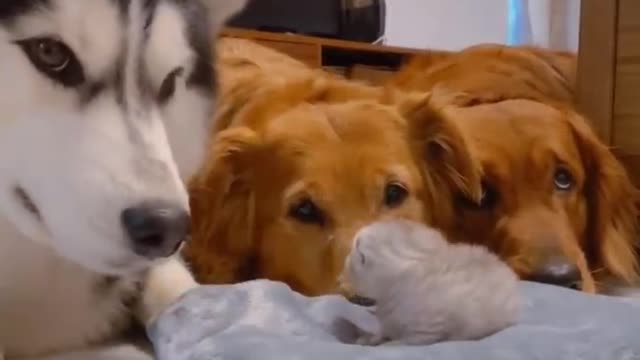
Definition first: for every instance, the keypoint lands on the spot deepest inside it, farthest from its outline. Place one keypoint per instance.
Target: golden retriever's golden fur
(495, 72)
(296, 169)
(302, 159)
(553, 191)
(558, 206)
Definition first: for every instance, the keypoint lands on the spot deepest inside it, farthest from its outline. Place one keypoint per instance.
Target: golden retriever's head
(557, 206)
(288, 186)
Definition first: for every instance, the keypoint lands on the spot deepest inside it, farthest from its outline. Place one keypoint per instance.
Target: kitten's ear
(220, 11)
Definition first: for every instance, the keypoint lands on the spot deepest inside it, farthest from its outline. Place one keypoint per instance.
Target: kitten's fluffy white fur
(428, 290)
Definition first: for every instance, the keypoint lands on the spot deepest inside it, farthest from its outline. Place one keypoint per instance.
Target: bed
(267, 321)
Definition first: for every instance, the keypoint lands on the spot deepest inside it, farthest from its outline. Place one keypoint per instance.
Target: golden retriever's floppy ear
(222, 206)
(440, 145)
(611, 201)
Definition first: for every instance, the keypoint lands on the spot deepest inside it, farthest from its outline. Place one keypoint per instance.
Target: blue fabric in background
(518, 22)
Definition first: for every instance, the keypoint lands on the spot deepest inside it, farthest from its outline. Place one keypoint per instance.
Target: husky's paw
(116, 352)
(164, 285)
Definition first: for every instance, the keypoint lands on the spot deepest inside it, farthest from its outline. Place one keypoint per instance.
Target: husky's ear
(220, 11)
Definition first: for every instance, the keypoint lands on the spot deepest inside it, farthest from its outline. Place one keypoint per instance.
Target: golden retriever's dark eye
(54, 59)
(489, 197)
(488, 200)
(307, 212)
(563, 180)
(395, 194)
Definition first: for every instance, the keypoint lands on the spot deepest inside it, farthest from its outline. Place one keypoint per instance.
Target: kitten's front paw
(395, 343)
(370, 340)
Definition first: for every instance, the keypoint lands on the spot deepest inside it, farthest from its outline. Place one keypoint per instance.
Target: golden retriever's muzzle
(557, 270)
(541, 246)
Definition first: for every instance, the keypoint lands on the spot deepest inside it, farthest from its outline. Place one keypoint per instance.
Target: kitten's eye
(563, 180)
(307, 212)
(168, 87)
(363, 259)
(395, 194)
(54, 59)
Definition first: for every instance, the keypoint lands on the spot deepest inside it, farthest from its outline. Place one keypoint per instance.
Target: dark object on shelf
(354, 20)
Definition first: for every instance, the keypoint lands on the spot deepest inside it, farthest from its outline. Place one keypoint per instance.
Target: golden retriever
(295, 170)
(557, 205)
(494, 72)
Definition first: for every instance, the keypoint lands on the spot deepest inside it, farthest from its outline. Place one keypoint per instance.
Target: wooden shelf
(318, 52)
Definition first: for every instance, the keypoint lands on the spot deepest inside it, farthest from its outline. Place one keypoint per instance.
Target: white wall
(455, 24)
(555, 23)
(445, 24)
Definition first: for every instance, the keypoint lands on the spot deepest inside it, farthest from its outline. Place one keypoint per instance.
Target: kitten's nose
(362, 301)
(156, 228)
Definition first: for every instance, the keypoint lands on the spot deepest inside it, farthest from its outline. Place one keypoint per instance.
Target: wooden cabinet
(355, 60)
(608, 79)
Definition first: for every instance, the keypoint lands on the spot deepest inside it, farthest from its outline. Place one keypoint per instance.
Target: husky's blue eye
(54, 59)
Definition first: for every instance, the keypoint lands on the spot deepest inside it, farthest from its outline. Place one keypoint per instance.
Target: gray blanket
(265, 320)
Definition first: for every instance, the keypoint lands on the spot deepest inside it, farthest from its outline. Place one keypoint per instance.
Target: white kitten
(427, 290)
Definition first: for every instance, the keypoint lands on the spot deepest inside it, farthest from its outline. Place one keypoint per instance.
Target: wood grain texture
(332, 43)
(632, 165)
(309, 54)
(626, 125)
(320, 52)
(595, 80)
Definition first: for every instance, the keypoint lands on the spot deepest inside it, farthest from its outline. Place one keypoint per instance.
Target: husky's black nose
(156, 228)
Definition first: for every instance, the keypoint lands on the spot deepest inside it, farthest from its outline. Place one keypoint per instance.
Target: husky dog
(105, 107)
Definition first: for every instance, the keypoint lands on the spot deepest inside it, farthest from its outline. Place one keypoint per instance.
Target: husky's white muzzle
(98, 190)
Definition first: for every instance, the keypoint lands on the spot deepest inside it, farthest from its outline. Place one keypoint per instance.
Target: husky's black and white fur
(105, 107)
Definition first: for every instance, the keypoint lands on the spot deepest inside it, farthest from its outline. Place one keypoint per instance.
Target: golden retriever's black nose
(558, 270)
(156, 229)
